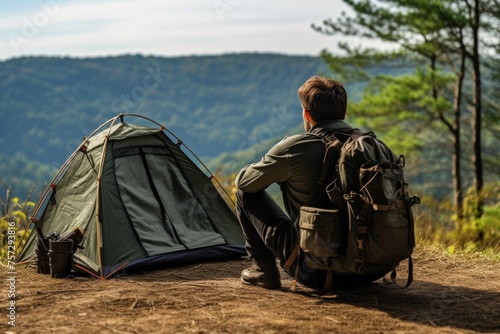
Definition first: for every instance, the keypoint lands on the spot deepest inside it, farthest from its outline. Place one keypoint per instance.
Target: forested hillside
(214, 103)
(211, 102)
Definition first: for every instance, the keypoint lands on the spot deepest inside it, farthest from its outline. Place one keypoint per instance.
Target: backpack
(369, 228)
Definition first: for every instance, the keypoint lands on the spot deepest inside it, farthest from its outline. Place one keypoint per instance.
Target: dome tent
(139, 200)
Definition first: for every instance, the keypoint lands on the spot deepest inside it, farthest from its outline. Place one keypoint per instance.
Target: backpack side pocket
(322, 234)
(380, 182)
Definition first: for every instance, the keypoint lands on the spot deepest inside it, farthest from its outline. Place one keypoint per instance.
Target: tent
(139, 200)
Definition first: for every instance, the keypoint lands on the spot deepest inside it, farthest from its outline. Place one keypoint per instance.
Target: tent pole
(98, 193)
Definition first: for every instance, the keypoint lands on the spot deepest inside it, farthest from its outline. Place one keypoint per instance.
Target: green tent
(140, 201)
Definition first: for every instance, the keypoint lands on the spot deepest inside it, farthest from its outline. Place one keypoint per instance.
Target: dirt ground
(450, 294)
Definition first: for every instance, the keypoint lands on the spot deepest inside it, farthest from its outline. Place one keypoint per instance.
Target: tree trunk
(455, 134)
(476, 110)
(457, 179)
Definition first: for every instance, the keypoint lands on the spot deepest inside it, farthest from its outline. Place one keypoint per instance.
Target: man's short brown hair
(325, 98)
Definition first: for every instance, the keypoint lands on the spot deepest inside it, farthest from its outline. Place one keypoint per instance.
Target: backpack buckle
(412, 200)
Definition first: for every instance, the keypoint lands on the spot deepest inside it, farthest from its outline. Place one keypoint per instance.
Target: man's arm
(273, 168)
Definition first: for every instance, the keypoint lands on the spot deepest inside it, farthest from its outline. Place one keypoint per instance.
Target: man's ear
(307, 115)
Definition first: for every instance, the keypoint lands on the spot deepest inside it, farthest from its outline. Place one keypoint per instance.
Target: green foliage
(13, 224)
(25, 175)
(475, 231)
(361, 64)
(401, 107)
(435, 223)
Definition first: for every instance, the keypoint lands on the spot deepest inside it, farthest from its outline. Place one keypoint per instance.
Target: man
(295, 163)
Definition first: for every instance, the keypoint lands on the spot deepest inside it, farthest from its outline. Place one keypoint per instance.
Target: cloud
(81, 28)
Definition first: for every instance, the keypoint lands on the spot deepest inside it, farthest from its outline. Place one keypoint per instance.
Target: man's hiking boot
(266, 275)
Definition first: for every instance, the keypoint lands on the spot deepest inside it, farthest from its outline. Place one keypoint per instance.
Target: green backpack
(369, 228)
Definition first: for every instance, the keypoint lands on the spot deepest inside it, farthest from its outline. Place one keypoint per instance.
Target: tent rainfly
(139, 200)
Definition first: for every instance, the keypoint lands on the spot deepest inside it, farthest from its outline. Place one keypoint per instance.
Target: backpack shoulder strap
(332, 146)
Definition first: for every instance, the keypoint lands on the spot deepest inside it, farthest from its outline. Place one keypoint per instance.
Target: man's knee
(239, 195)
(244, 197)
(240, 199)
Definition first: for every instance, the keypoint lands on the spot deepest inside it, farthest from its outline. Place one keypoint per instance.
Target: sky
(93, 28)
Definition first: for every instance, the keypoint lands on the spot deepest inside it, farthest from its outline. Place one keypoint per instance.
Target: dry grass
(450, 294)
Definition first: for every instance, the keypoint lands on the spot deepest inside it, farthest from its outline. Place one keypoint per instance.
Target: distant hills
(216, 104)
